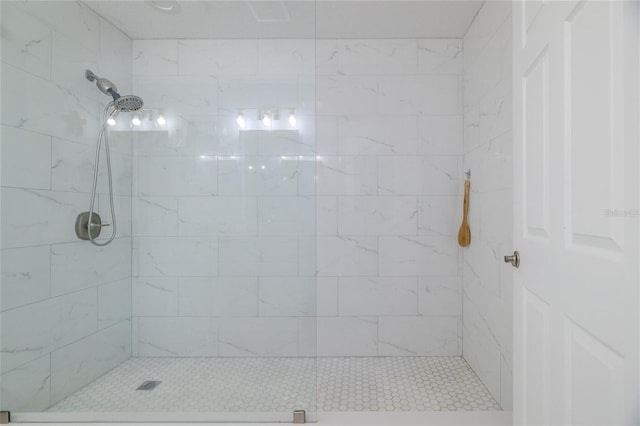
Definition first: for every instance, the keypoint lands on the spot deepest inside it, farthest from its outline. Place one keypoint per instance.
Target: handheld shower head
(126, 103)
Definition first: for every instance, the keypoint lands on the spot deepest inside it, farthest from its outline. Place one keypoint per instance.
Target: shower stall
(287, 200)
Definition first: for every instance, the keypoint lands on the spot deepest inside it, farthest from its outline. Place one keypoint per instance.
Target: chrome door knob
(514, 259)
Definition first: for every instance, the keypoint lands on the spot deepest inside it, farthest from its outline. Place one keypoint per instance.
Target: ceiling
(203, 19)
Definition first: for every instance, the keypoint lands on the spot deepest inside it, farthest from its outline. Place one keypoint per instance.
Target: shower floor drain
(149, 385)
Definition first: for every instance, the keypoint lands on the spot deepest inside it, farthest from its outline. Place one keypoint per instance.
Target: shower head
(128, 103)
(125, 103)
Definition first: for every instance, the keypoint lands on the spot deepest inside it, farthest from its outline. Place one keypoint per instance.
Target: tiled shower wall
(389, 142)
(66, 305)
(225, 220)
(488, 153)
(223, 217)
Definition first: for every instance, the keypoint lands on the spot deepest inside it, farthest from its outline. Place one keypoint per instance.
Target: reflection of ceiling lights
(170, 7)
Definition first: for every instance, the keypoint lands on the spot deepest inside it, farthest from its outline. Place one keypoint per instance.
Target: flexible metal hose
(104, 134)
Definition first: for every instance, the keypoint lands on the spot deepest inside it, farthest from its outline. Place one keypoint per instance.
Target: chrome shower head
(126, 103)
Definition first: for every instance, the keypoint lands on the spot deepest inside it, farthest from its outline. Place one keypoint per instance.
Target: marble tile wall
(234, 229)
(487, 281)
(65, 304)
(389, 145)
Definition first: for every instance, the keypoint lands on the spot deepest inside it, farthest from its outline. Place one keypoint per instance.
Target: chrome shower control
(82, 225)
(513, 259)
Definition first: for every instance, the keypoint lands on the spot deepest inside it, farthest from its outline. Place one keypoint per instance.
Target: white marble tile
(209, 135)
(286, 56)
(442, 135)
(26, 159)
(74, 19)
(33, 330)
(135, 342)
(217, 57)
(26, 41)
(482, 265)
(306, 108)
(376, 135)
(307, 256)
(483, 28)
(418, 95)
(343, 95)
(418, 255)
(122, 205)
(31, 103)
(347, 336)
(248, 92)
(377, 296)
(179, 95)
(307, 176)
(120, 139)
(491, 165)
(327, 216)
(327, 296)
(114, 303)
(377, 56)
(347, 176)
(259, 256)
(32, 217)
(155, 57)
(25, 276)
(199, 216)
(347, 256)
(155, 143)
(287, 216)
(287, 296)
(482, 355)
(173, 336)
(307, 338)
(218, 296)
(377, 216)
(155, 296)
(495, 112)
(284, 142)
(418, 175)
(440, 56)
(506, 386)
(69, 59)
(258, 337)
(326, 57)
(440, 296)
(411, 336)
(327, 135)
(439, 215)
(167, 176)
(185, 256)
(116, 55)
(174, 256)
(155, 216)
(246, 176)
(28, 387)
(74, 266)
(80, 363)
(73, 165)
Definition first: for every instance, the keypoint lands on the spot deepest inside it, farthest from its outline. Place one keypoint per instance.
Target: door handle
(514, 259)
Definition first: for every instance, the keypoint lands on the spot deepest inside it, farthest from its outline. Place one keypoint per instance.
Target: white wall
(389, 165)
(66, 305)
(228, 247)
(487, 291)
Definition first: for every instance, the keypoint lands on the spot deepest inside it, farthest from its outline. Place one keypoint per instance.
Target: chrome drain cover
(149, 385)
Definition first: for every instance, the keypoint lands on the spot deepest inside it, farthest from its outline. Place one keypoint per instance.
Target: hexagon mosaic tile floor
(284, 384)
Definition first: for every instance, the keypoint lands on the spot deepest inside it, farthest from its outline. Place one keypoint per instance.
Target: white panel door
(576, 160)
